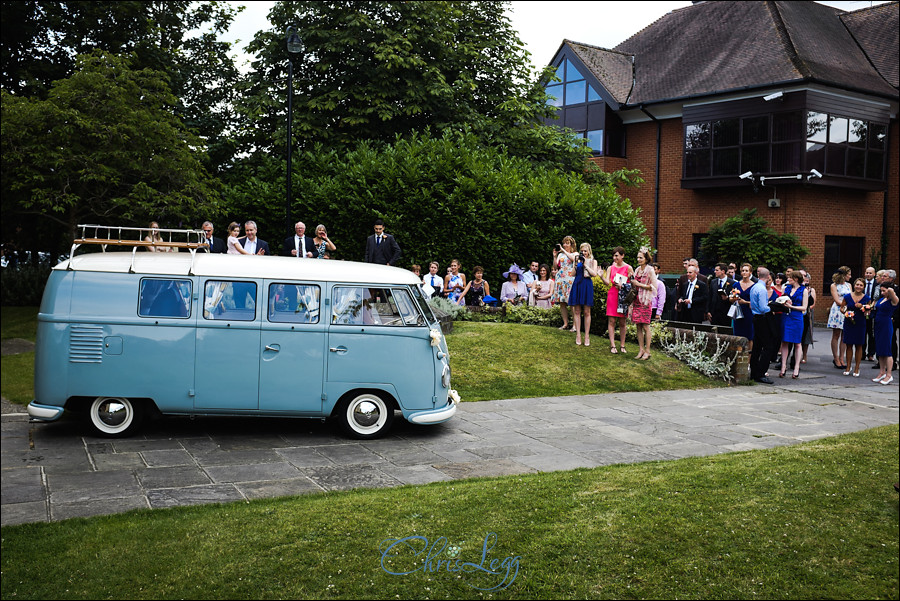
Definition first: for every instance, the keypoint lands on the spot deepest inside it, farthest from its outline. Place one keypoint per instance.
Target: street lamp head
(294, 44)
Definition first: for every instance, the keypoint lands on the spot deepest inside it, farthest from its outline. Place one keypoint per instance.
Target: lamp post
(293, 47)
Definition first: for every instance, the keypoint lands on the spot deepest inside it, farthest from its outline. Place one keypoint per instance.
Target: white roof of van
(239, 266)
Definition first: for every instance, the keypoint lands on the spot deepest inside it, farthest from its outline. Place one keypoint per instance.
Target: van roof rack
(114, 235)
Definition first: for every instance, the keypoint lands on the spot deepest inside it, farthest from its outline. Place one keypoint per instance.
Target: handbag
(734, 312)
(632, 294)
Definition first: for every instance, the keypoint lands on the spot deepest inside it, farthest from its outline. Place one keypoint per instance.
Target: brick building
(788, 107)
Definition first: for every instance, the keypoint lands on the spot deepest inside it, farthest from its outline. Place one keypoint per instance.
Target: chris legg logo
(404, 556)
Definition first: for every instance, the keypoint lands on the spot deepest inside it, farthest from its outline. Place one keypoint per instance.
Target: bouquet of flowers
(850, 315)
(734, 296)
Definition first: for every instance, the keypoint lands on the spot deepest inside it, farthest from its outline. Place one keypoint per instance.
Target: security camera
(747, 175)
(814, 173)
(773, 96)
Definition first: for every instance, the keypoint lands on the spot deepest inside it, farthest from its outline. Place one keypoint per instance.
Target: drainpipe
(656, 191)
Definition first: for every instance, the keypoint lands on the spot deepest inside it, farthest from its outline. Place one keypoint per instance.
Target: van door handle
(274, 349)
(340, 350)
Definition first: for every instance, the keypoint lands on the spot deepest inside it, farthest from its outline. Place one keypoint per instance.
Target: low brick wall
(738, 346)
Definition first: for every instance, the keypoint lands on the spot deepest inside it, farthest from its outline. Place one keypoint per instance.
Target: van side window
(365, 306)
(294, 303)
(165, 298)
(411, 316)
(232, 301)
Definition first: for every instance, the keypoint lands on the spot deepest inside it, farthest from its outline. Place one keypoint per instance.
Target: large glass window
(355, 305)
(165, 298)
(294, 303)
(231, 301)
(774, 144)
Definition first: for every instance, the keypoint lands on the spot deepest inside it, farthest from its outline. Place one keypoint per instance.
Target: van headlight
(445, 377)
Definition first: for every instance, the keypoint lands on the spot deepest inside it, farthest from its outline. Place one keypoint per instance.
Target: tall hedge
(445, 198)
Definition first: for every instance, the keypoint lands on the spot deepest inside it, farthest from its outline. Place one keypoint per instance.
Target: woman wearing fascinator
(645, 281)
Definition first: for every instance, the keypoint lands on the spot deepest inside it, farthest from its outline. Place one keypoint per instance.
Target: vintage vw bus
(125, 334)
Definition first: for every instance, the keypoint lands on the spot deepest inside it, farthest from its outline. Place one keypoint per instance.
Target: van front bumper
(44, 413)
(434, 416)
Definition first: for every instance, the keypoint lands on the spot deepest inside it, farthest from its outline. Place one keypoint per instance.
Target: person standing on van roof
(251, 243)
(300, 245)
(381, 248)
(216, 245)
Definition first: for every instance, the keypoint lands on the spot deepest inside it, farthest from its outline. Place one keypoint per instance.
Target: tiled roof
(877, 31)
(611, 67)
(714, 47)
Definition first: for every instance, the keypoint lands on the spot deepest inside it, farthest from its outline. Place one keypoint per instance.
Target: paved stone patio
(55, 471)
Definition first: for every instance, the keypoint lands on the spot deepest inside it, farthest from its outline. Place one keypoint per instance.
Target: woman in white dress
(840, 287)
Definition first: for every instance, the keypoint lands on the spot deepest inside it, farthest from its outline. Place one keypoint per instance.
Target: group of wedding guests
(863, 321)
(634, 292)
(298, 245)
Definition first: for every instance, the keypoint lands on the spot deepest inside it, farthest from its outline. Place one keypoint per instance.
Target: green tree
(375, 70)
(105, 146)
(444, 198)
(41, 40)
(747, 237)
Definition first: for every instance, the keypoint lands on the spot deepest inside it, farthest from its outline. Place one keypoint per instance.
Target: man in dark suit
(300, 245)
(251, 243)
(216, 245)
(381, 248)
(694, 298)
(682, 281)
(719, 289)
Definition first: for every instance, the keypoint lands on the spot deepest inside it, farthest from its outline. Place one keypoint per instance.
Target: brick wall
(810, 211)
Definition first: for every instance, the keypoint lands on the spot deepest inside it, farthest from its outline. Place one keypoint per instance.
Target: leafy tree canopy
(443, 198)
(105, 147)
(41, 40)
(747, 238)
(375, 70)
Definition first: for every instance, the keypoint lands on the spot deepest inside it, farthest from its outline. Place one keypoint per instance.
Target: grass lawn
(817, 520)
(508, 361)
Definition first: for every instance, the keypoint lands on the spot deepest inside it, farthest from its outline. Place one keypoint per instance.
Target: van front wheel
(115, 416)
(366, 416)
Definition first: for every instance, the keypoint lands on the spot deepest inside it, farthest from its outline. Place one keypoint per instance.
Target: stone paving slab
(56, 471)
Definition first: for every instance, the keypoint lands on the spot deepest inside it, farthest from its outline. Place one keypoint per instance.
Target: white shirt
(528, 277)
(250, 246)
(437, 283)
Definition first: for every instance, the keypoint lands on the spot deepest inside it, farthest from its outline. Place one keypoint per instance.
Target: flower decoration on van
(435, 337)
(454, 396)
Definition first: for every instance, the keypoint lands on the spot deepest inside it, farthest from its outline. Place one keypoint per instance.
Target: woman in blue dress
(581, 296)
(884, 332)
(744, 325)
(853, 306)
(792, 322)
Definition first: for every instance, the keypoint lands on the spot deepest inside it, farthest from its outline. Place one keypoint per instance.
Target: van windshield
(423, 305)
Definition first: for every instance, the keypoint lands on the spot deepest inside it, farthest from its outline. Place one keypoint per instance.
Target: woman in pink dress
(645, 282)
(565, 275)
(618, 267)
(545, 287)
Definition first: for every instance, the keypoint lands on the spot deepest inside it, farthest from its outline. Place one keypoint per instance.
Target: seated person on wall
(513, 290)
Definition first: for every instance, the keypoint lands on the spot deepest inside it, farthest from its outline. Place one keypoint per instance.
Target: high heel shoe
(847, 373)
(795, 376)
(888, 381)
(856, 374)
(781, 375)
(879, 378)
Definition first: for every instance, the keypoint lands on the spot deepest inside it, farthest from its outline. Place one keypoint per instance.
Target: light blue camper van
(122, 335)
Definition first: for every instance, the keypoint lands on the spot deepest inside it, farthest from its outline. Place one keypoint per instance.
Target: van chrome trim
(43, 413)
(433, 416)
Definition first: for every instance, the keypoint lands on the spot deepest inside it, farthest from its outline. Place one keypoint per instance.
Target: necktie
(303, 244)
(378, 241)
(433, 285)
(869, 288)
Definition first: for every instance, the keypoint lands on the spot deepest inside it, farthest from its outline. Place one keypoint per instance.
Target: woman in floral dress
(565, 275)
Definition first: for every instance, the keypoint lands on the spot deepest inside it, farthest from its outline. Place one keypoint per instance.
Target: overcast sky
(542, 26)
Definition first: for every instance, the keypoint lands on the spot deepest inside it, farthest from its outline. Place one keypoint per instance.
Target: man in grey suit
(381, 248)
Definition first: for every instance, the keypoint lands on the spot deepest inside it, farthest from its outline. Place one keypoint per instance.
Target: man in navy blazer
(251, 243)
(216, 245)
(300, 245)
(381, 248)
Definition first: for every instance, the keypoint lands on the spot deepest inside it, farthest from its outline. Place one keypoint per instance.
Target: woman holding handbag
(644, 281)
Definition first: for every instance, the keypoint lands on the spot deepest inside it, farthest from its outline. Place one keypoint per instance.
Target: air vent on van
(85, 344)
